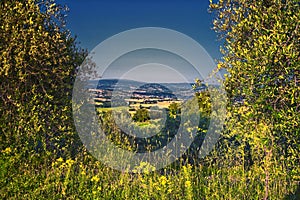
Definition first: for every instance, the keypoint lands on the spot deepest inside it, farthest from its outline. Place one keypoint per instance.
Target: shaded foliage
(141, 115)
(38, 63)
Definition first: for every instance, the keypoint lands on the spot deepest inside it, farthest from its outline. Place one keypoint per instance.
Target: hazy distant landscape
(140, 93)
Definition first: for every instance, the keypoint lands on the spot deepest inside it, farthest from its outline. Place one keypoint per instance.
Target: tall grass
(43, 177)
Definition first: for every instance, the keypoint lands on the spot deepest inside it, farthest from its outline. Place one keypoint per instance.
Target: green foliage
(41, 154)
(38, 59)
(174, 109)
(261, 56)
(204, 100)
(141, 115)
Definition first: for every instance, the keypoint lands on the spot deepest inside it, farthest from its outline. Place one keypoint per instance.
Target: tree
(262, 58)
(141, 115)
(38, 63)
(174, 110)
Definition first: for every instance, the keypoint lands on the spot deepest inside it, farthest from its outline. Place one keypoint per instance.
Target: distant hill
(144, 90)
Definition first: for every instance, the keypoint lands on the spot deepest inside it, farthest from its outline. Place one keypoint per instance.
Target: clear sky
(93, 21)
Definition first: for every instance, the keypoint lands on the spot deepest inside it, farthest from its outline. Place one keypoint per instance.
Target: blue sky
(93, 21)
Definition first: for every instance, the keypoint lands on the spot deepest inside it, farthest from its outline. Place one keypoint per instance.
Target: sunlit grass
(87, 178)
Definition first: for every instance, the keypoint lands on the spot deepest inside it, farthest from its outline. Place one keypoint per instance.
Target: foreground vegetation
(86, 178)
(257, 157)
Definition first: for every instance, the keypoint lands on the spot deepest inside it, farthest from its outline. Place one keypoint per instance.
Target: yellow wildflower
(187, 184)
(95, 179)
(69, 161)
(163, 180)
(7, 150)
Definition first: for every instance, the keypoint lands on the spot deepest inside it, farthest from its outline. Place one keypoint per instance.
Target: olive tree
(38, 60)
(261, 55)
